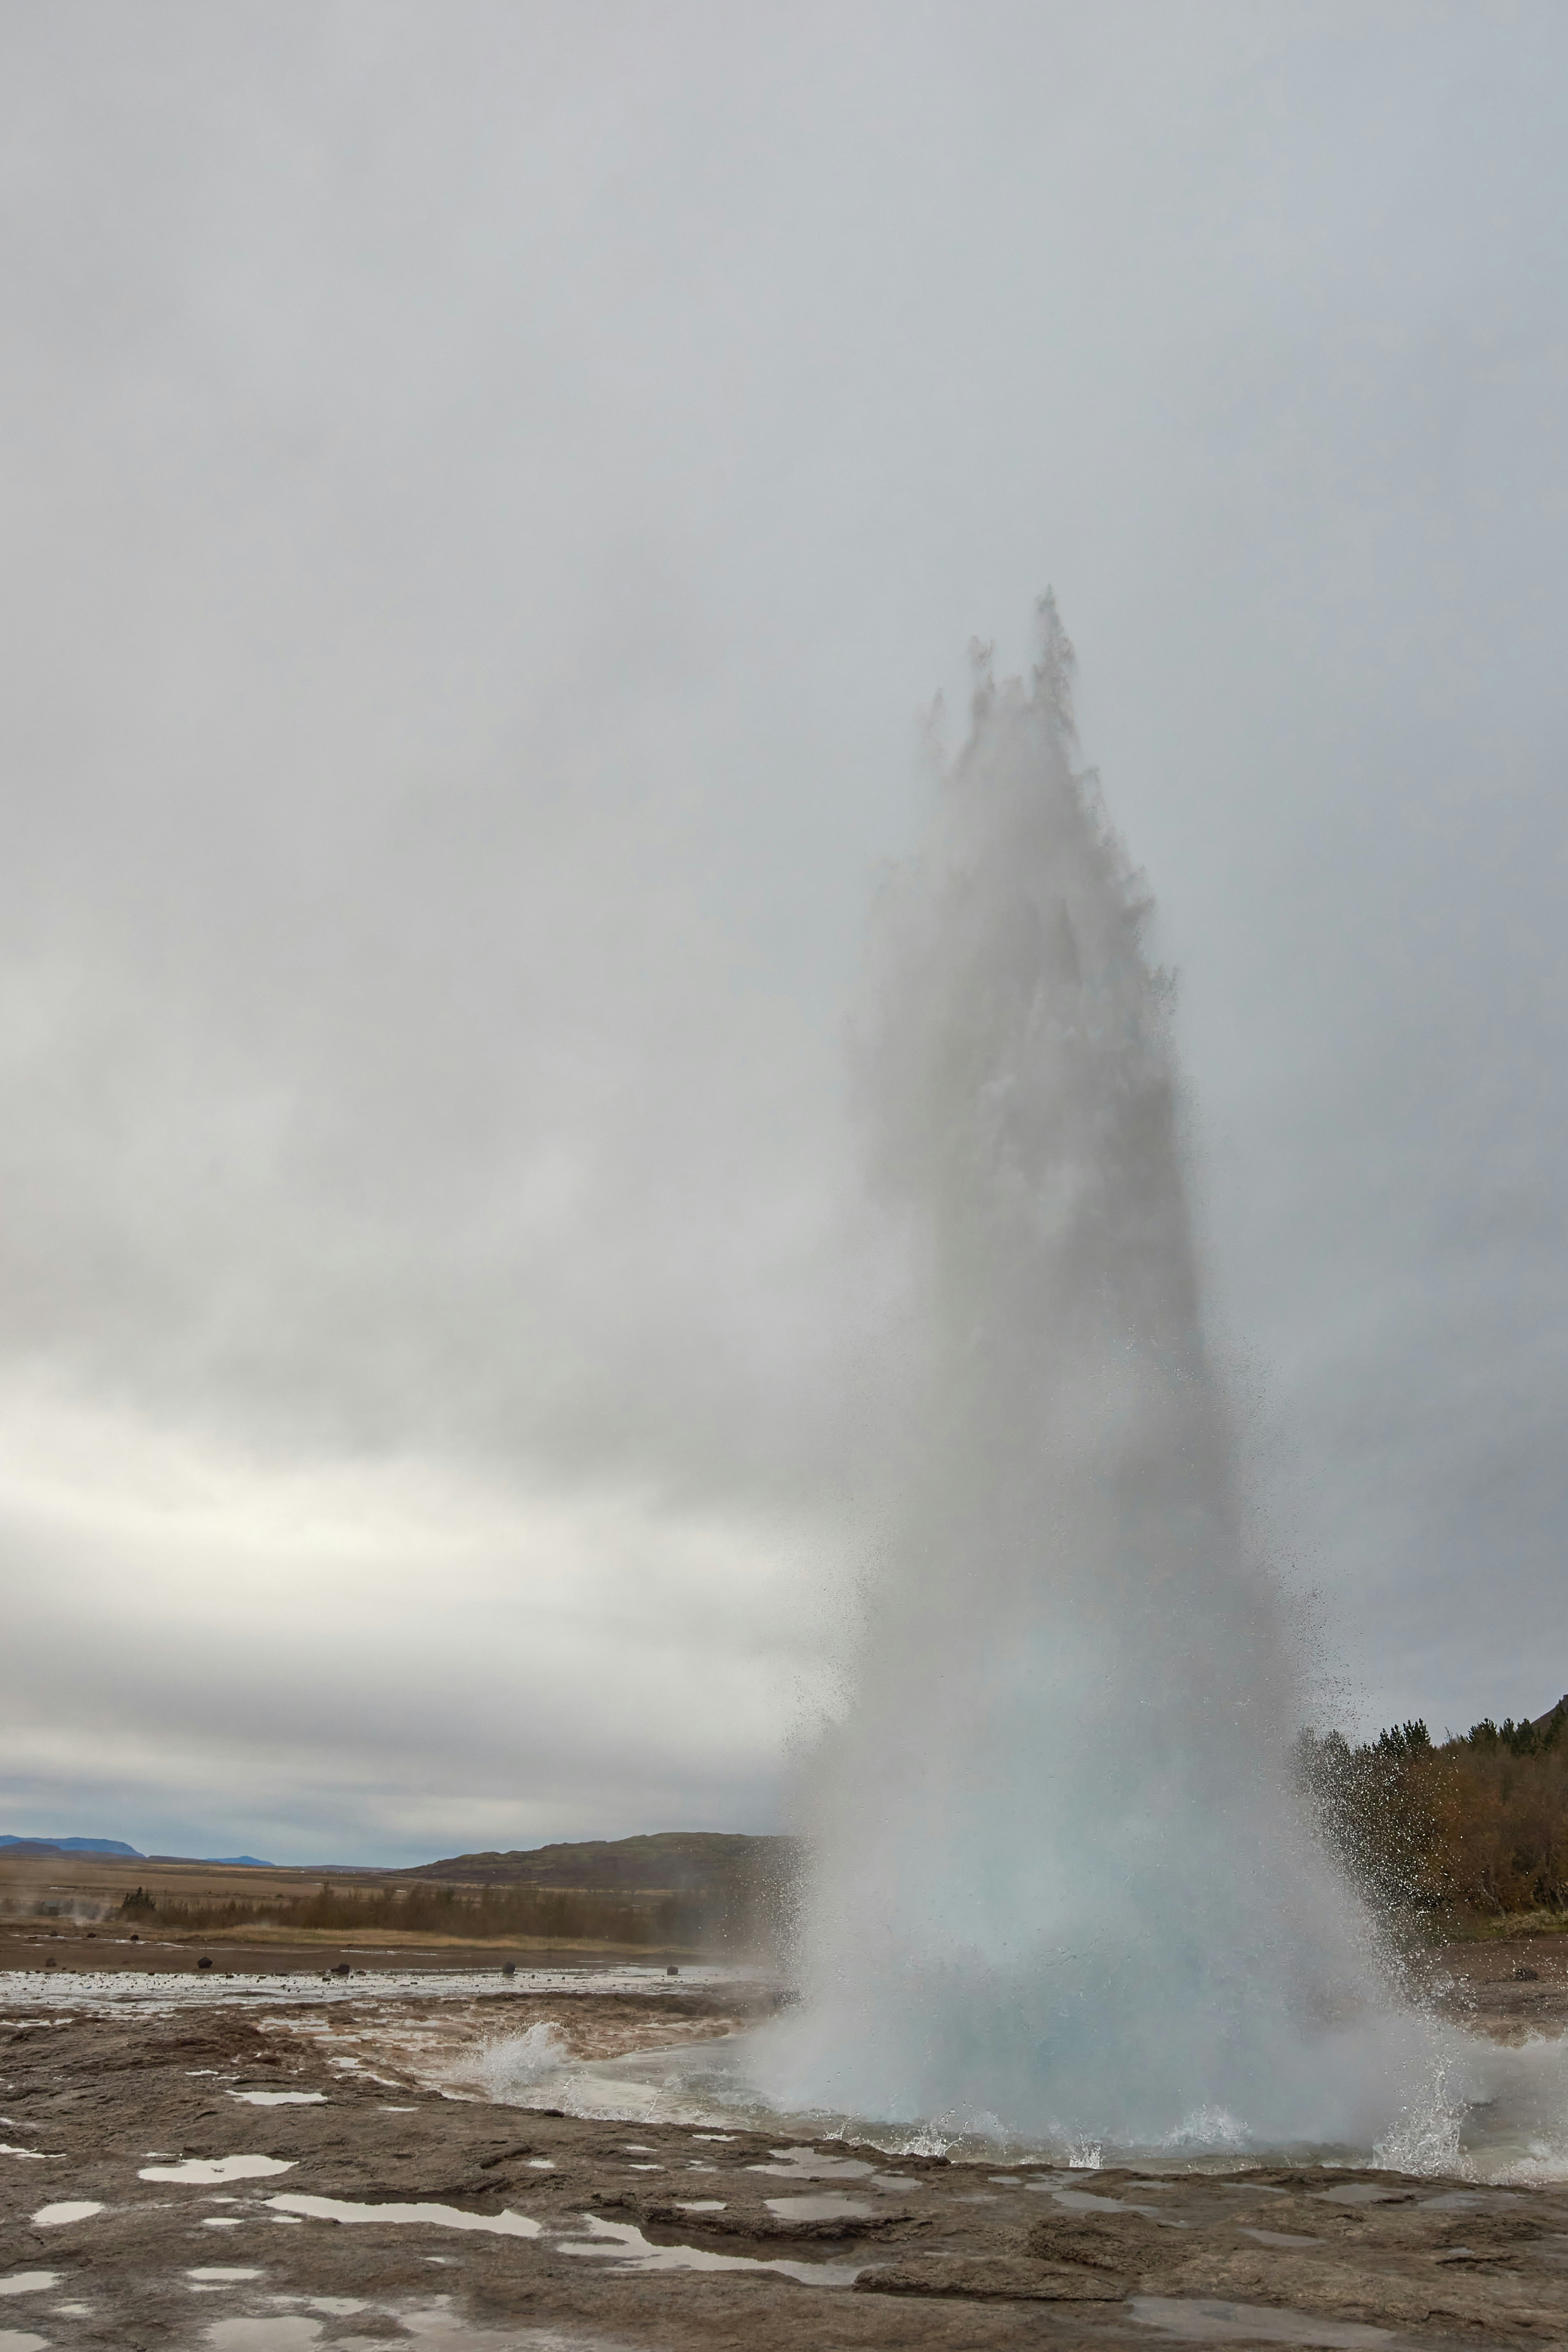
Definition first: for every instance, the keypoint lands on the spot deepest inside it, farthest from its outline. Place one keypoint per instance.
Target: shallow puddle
(56, 2217)
(440, 2217)
(434, 2327)
(1207, 2322)
(805, 2164)
(281, 2098)
(290, 2334)
(217, 2167)
(29, 2282)
(827, 2207)
(623, 2244)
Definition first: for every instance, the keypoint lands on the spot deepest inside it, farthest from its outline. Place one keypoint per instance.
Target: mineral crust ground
(312, 2166)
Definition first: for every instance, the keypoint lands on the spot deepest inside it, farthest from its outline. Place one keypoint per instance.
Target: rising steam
(1063, 1885)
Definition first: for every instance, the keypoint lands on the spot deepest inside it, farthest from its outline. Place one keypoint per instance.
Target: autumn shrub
(1471, 1829)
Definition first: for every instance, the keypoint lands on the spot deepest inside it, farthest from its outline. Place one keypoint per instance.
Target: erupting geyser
(1063, 1885)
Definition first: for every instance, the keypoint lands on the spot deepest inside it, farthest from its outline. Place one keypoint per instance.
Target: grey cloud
(486, 494)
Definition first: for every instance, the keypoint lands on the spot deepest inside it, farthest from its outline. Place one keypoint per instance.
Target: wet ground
(310, 2166)
(1506, 1988)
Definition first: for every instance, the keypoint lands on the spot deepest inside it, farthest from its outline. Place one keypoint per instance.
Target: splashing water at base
(513, 2064)
(1063, 1886)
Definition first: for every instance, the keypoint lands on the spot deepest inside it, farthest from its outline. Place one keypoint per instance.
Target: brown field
(69, 1911)
(91, 1884)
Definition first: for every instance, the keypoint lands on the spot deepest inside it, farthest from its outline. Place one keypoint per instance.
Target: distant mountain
(680, 1862)
(75, 1845)
(26, 1845)
(214, 1861)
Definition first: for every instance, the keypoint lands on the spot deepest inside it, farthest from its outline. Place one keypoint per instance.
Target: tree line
(1466, 1829)
(721, 1919)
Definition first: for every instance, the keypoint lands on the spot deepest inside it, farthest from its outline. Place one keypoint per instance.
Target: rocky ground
(77, 1948)
(235, 2175)
(1507, 1987)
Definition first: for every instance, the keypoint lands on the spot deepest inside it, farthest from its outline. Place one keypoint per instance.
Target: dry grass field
(88, 1886)
(693, 1894)
(80, 1911)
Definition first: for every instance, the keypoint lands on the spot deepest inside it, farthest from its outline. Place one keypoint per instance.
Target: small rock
(1527, 1976)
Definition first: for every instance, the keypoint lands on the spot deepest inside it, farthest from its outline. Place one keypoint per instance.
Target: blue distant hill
(214, 1861)
(78, 1846)
(133, 1852)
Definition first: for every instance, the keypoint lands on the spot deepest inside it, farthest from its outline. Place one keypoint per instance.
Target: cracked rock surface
(148, 2198)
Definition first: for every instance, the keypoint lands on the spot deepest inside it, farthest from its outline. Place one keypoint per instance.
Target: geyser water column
(1061, 1884)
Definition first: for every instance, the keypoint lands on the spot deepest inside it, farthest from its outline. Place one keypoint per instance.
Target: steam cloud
(1063, 1883)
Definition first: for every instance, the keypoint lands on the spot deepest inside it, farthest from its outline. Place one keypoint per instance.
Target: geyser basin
(1483, 2111)
(1063, 1885)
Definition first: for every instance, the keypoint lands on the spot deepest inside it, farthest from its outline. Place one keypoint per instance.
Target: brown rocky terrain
(1506, 1986)
(318, 2174)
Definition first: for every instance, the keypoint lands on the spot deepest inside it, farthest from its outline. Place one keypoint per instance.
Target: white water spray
(1063, 1886)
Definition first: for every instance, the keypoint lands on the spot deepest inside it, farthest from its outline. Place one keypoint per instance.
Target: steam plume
(1063, 1885)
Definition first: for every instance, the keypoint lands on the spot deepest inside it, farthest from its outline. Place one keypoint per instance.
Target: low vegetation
(1470, 1834)
(649, 1919)
(680, 1861)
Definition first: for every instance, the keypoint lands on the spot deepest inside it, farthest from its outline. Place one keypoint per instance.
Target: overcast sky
(489, 492)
